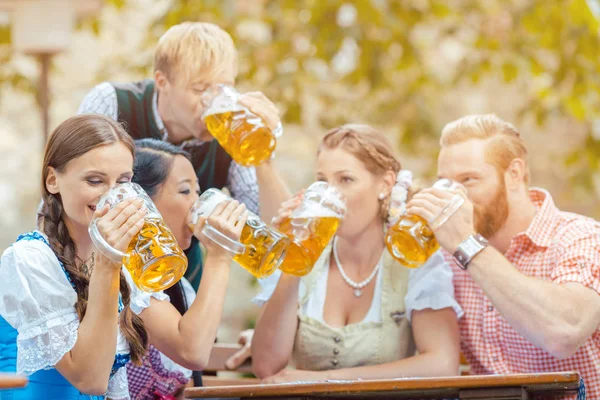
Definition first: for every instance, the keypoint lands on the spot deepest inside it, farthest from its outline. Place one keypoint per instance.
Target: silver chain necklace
(358, 287)
(87, 266)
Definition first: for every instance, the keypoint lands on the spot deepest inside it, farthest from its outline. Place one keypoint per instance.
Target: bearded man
(526, 274)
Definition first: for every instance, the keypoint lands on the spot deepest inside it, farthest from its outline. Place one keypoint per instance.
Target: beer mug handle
(225, 242)
(447, 212)
(102, 245)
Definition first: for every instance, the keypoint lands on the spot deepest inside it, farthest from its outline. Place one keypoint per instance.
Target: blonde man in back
(189, 58)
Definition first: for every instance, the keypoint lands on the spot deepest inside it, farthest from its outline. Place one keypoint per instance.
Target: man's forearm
(272, 190)
(545, 313)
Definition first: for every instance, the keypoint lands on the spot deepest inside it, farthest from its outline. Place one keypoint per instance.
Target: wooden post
(44, 92)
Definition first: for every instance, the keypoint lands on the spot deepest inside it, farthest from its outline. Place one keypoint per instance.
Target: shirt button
(334, 362)
(336, 351)
(337, 339)
(490, 308)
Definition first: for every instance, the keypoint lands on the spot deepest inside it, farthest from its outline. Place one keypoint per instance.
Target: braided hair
(369, 146)
(71, 139)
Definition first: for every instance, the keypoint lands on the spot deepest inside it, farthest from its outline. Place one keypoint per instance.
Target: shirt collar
(540, 229)
(163, 129)
(159, 122)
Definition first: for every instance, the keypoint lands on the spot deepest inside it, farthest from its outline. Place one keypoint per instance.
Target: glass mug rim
(326, 195)
(133, 190)
(210, 94)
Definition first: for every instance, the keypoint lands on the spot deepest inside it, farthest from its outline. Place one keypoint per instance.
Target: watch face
(471, 247)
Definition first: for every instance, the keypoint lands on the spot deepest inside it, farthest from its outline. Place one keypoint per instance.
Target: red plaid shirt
(559, 247)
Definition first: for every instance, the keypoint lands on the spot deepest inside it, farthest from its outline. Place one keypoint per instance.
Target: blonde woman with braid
(358, 314)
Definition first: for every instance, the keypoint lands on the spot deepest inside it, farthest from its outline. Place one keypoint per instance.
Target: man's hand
(260, 105)
(431, 203)
(245, 339)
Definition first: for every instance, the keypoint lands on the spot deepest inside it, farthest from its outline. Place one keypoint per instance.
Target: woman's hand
(245, 339)
(119, 225)
(229, 218)
(287, 207)
(296, 375)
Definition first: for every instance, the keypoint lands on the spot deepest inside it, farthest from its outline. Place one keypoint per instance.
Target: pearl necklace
(358, 287)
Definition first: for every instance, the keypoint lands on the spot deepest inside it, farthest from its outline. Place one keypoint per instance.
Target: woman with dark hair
(70, 318)
(165, 172)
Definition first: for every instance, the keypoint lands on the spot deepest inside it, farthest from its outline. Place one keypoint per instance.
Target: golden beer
(247, 143)
(265, 248)
(241, 133)
(311, 226)
(305, 251)
(411, 240)
(155, 261)
(260, 249)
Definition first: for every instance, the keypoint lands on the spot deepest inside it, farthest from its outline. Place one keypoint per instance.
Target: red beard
(491, 217)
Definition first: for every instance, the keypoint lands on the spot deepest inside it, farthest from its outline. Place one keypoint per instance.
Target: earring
(381, 196)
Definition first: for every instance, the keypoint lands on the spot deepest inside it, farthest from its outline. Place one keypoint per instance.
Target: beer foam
(206, 204)
(314, 212)
(225, 101)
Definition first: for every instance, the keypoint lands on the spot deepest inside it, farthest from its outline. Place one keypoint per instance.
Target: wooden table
(488, 387)
(10, 381)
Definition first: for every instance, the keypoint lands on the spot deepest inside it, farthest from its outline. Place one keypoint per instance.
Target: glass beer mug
(410, 240)
(260, 249)
(243, 135)
(154, 259)
(311, 226)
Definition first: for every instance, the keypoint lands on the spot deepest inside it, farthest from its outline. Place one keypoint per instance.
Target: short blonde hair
(504, 140)
(195, 49)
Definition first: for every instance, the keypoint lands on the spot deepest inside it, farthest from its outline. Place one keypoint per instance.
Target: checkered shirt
(241, 181)
(558, 246)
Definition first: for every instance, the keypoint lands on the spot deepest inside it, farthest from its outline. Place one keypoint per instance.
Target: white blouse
(37, 299)
(190, 296)
(428, 287)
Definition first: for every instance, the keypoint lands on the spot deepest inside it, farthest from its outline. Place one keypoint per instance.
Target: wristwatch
(468, 249)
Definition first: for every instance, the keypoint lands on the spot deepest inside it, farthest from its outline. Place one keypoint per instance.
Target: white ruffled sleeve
(188, 291)
(431, 287)
(118, 386)
(139, 299)
(268, 286)
(37, 299)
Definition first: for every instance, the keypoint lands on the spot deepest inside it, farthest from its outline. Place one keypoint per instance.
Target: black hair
(153, 163)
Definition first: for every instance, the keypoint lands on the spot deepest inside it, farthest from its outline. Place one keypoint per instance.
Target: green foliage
(289, 48)
(548, 48)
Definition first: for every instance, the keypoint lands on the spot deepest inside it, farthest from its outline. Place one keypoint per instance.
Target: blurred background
(405, 66)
